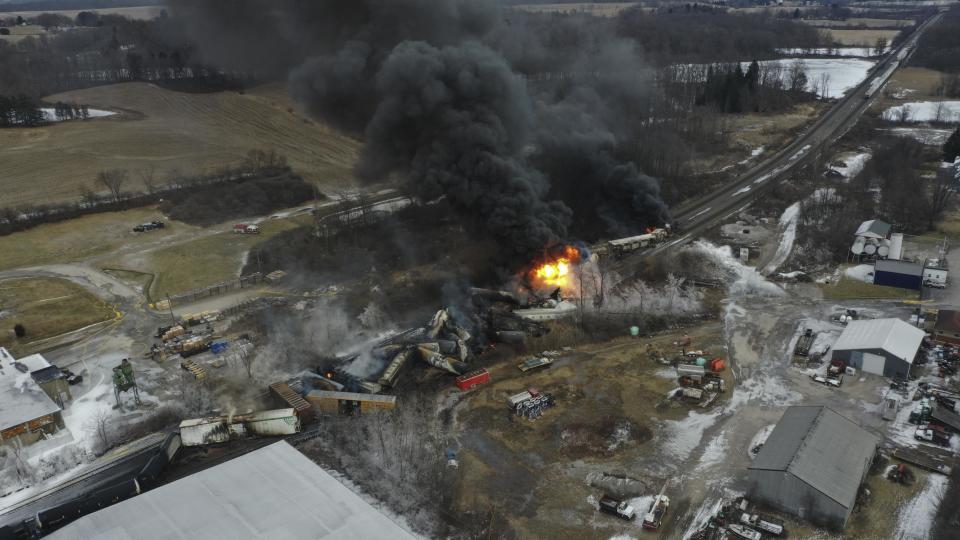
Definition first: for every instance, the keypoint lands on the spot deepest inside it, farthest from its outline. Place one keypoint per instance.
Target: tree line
(108, 192)
(939, 46)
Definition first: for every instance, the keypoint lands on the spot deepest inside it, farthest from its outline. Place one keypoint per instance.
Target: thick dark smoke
(432, 88)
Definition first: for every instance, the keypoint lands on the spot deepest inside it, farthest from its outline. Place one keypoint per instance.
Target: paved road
(694, 218)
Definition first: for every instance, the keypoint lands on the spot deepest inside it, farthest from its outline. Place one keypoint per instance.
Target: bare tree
(99, 427)
(113, 180)
(148, 176)
(88, 195)
(903, 114)
(880, 46)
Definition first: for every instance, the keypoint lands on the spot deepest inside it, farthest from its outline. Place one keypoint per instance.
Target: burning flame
(557, 271)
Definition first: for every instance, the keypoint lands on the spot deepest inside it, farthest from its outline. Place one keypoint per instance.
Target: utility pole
(173, 320)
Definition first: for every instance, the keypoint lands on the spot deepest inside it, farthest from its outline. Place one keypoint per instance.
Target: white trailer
(221, 429)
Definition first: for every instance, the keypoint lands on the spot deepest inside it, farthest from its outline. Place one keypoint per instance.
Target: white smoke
(746, 280)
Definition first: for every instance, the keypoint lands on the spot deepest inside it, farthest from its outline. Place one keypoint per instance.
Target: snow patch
(853, 164)
(747, 280)
(788, 226)
(848, 52)
(50, 115)
(925, 111)
(916, 516)
(842, 74)
(714, 453)
(765, 390)
(683, 436)
(927, 136)
(760, 438)
(861, 272)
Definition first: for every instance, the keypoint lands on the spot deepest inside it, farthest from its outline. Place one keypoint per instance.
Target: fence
(188, 297)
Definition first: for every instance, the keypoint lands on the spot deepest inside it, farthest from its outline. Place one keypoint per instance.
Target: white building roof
(21, 399)
(34, 362)
(274, 492)
(891, 335)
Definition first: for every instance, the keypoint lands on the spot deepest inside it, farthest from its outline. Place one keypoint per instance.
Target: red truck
(474, 378)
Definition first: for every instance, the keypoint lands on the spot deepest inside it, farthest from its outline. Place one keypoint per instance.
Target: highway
(695, 217)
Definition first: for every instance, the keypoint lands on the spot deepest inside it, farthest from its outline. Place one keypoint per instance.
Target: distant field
(865, 22)
(865, 38)
(140, 12)
(913, 83)
(600, 9)
(166, 130)
(46, 307)
(19, 32)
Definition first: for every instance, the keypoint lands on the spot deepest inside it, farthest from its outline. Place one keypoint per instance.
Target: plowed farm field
(170, 132)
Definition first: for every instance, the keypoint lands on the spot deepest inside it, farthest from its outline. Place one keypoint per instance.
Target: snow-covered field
(928, 136)
(925, 111)
(860, 52)
(50, 115)
(683, 436)
(843, 73)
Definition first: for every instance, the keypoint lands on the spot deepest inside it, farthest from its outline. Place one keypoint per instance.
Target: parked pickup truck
(621, 509)
(929, 434)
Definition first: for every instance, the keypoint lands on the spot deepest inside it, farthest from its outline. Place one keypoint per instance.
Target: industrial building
(900, 274)
(350, 402)
(273, 492)
(935, 272)
(884, 347)
(947, 329)
(50, 378)
(27, 413)
(874, 229)
(812, 465)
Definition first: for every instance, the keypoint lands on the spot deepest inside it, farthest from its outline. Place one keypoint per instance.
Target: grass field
(860, 38)
(852, 289)
(19, 32)
(81, 238)
(859, 22)
(46, 307)
(914, 82)
(198, 262)
(166, 130)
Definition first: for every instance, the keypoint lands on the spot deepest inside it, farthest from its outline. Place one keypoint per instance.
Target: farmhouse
(272, 492)
(884, 347)
(812, 465)
(27, 414)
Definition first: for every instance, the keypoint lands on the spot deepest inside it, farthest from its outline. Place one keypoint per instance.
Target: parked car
(149, 226)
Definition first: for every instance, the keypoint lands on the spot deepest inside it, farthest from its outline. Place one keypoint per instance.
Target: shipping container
(350, 402)
(474, 378)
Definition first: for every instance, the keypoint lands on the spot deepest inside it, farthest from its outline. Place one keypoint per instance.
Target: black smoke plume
(432, 87)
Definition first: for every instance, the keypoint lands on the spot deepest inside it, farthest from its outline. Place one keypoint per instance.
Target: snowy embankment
(927, 136)
(50, 115)
(924, 111)
(747, 280)
(853, 164)
(788, 234)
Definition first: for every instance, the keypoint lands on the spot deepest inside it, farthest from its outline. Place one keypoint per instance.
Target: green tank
(127, 369)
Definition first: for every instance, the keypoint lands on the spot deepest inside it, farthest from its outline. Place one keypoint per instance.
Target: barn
(812, 465)
(904, 275)
(884, 347)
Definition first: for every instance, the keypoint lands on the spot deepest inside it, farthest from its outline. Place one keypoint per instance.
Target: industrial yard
(451, 272)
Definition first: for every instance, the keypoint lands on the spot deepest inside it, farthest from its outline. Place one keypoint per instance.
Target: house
(272, 492)
(27, 413)
(884, 347)
(935, 272)
(900, 274)
(812, 465)
(947, 329)
(874, 228)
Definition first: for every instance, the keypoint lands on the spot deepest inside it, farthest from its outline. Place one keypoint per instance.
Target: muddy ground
(612, 419)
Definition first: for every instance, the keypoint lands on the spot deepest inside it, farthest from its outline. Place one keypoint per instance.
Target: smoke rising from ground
(432, 88)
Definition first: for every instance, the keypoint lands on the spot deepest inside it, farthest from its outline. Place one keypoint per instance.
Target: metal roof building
(902, 274)
(26, 411)
(812, 465)
(884, 347)
(274, 492)
(873, 229)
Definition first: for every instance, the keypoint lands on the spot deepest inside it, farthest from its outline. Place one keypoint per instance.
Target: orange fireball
(557, 271)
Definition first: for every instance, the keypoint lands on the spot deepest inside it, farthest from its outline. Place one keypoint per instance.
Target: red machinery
(474, 378)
